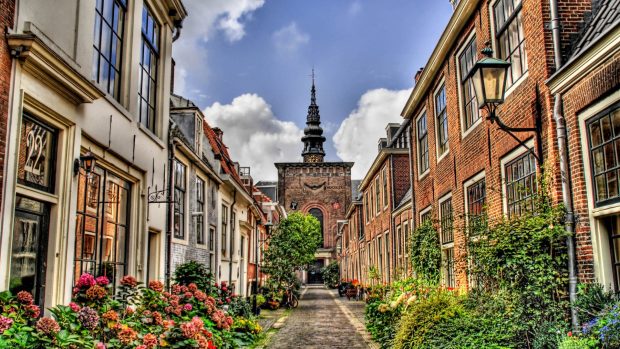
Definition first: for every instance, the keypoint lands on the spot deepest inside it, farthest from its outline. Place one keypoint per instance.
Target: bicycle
(290, 299)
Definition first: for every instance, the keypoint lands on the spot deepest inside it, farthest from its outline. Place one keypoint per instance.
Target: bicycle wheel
(294, 302)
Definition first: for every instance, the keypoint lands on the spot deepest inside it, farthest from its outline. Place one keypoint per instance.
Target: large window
(366, 211)
(377, 196)
(212, 248)
(510, 38)
(467, 59)
(200, 212)
(604, 144)
(102, 225)
(149, 59)
(476, 200)
(520, 184)
(447, 241)
(179, 200)
(423, 162)
(385, 188)
(442, 120)
(613, 229)
(108, 45)
(224, 234)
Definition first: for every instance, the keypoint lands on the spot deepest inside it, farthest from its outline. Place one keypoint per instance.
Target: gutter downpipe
(411, 181)
(392, 225)
(567, 197)
(232, 237)
(169, 216)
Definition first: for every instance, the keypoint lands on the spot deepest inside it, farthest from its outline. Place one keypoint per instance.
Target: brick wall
(7, 11)
(484, 146)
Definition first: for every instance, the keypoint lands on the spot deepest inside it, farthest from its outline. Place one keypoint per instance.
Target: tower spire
(313, 138)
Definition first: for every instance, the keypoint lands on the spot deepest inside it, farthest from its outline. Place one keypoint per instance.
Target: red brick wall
(483, 148)
(7, 11)
(593, 87)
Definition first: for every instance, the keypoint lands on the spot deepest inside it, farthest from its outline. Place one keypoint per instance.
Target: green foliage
(381, 319)
(196, 273)
(578, 343)
(292, 247)
(426, 252)
(331, 274)
(593, 300)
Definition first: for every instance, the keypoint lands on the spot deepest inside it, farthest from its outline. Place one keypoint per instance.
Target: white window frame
(464, 132)
(424, 211)
(598, 233)
(187, 213)
(494, 45)
(441, 201)
(417, 145)
(440, 156)
(385, 182)
(468, 183)
(515, 153)
(205, 231)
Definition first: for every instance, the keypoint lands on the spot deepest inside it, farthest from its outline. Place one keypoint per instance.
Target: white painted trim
(468, 183)
(464, 132)
(515, 153)
(441, 200)
(442, 83)
(598, 233)
(183, 160)
(424, 211)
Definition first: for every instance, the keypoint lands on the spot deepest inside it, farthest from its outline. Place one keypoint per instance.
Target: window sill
(471, 128)
(118, 106)
(514, 86)
(183, 242)
(442, 156)
(423, 174)
(151, 135)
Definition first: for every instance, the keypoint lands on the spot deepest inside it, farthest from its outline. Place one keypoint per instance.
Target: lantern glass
(89, 162)
(489, 80)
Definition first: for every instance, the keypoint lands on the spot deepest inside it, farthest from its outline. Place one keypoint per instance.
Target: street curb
(279, 323)
(359, 326)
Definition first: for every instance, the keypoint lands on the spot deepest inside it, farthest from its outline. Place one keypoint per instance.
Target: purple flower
(88, 318)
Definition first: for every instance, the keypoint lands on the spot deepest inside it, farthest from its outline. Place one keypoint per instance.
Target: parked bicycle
(290, 298)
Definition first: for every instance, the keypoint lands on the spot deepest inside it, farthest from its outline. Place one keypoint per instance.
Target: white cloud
(356, 139)
(255, 136)
(288, 39)
(355, 8)
(207, 17)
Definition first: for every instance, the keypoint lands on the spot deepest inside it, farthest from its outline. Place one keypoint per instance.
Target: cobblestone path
(319, 322)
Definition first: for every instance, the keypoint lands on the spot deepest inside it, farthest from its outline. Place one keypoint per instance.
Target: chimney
(219, 133)
(418, 75)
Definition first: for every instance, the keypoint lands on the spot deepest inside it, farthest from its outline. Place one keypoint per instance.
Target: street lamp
(489, 79)
(87, 162)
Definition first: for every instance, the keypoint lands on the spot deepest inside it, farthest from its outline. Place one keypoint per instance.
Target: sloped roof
(355, 193)
(607, 16)
(177, 101)
(406, 199)
(221, 152)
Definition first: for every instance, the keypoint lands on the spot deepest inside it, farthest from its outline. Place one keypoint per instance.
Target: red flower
(156, 286)
(129, 281)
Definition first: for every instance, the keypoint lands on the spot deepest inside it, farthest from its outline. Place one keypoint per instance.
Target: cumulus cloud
(356, 139)
(255, 136)
(206, 18)
(288, 39)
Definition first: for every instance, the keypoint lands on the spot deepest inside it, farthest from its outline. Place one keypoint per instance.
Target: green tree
(292, 246)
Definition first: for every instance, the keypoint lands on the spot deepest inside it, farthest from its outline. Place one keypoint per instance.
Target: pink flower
(102, 281)
(24, 297)
(187, 307)
(149, 340)
(129, 281)
(47, 326)
(33, 311)
(5, 323)
(74, 307)
(141, 346)
(192, 287)
(157, 286)
(100, 346)
(86, 280)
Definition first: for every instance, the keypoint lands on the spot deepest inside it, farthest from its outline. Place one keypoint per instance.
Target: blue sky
(247, 63)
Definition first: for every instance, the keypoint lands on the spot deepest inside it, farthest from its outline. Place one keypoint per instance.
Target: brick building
(463, 165)
(7, 13)
(314, 186)
(588, 85)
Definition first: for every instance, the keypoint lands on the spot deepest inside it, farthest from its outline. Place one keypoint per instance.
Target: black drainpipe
(392, 229)
(170, 203)
(232, 237)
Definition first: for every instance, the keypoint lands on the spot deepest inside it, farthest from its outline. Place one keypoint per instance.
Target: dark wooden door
(315, 276)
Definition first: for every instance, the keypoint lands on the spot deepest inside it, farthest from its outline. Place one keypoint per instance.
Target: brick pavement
(321, 321)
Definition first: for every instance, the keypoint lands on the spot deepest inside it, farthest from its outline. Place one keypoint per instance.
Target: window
(604, 146)
(102, 223)
(372, 202)
(520, 184)
(399, 245)
(36, 155)
(407, 233)
(380, 256)
(108, 45)
(423, 163)
(200, 212)
(377, 196)
(510, 38)
(366, 204)
(318, 214)
(233, 226)
(385, 188)
(224, 230)
(212, 248)
(149, 59)
(611, 223)
(179, 200)
(445, 211)
(467, 59)
(425, 215)
(448, 264)
(442, 120)
(360, 225)
(476, 200)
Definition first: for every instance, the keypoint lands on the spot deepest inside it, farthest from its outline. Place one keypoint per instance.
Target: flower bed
(136, 317)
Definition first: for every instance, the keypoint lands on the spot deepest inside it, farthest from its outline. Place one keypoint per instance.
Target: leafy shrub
(592, 300)
(381, 321)
(196, 273)
(426, 252)
(571, 342)
(606, 327)
(331, 274)
(240, 307)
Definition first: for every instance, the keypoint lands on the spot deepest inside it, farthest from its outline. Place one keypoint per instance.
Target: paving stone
(318, 322)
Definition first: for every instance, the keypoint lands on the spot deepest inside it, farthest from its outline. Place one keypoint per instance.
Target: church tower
(313, 138)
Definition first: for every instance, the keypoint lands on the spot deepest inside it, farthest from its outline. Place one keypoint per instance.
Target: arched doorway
(315, 276)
